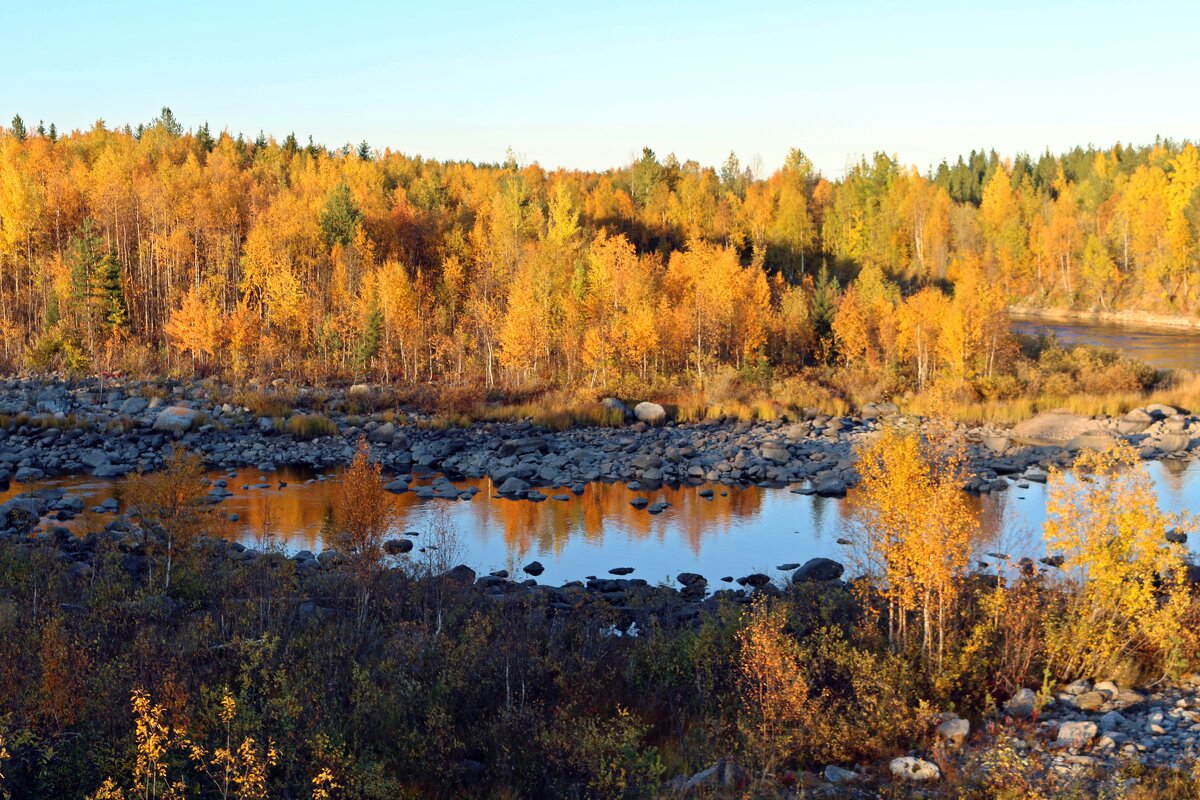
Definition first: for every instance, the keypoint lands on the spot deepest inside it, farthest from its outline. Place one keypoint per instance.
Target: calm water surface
(1164, 348)
(737, 532)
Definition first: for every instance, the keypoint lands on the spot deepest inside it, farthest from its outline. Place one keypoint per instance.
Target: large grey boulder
(1174, 442)
(177, 419)
(818, 569)
(1022, 704)
(954, 731)
(775, 453)
(1054, 427)
(513, 485)
(28, 475)
(133, 406)
(383, 434)
(650, 413)
(1077, 734)
(21, 513)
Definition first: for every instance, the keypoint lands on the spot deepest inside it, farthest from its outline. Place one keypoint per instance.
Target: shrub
(1124, 584)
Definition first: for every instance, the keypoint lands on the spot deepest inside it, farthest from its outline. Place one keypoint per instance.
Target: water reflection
(737, 531)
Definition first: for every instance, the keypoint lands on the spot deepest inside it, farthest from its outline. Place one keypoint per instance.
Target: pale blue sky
(586, 85)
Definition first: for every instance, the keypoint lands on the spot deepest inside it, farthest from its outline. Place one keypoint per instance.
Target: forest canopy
(212, 252)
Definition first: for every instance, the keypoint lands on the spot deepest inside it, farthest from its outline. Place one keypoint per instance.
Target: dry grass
(266, 402)
(307, 426)
(555, 416)
(65, 423)
(1182, 392)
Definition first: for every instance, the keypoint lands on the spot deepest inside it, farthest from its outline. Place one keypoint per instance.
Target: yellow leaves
(193, 326)
(228, 707)
(362, 512)
(4, 756)
(772, 688)
(1125, 579)
(324, 785)
(912, 528)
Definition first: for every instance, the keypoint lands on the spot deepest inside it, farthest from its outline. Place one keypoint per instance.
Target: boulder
(177, 419)
(513, 486)
(831, 487)
(133, 406)
(534, 568)
(818, 569)
(955, 731)
(1054, 427)
(998, 445)
(650, 413)
(394, 547)
(28, 475)
(839, 776)
(1022, 704)
(1092, 440)
(21, 513)
(613, 404)
(93, 457)
(1174, 442)
(383, 434)
(918, 770)
(1161, 410)
(775, 453)
(462, 574)
(1076, 734)
(1090, 701)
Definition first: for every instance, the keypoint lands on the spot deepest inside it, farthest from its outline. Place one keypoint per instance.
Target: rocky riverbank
(107, 431)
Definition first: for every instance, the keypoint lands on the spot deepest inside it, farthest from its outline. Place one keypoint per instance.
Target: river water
(738, 531)
(1165, 348)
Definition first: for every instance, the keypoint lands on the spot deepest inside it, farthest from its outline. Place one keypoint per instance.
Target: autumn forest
(139, 249)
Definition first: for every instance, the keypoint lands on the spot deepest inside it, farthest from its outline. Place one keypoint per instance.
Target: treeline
(122, 248)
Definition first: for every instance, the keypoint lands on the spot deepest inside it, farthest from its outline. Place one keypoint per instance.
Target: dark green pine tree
(372, 339)
(364, 150)
(109, 294)
(824, 307)
(52, 312)
(18, 128)
(53, 133)
(205, 139)
(339, 217)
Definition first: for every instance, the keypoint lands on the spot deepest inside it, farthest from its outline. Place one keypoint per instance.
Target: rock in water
(818, 569)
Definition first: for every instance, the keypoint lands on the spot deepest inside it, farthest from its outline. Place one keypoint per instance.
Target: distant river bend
(1164, 348)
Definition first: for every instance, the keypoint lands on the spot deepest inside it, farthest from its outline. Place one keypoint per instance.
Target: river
(1165, 348)
(735, 532)
(738, 531)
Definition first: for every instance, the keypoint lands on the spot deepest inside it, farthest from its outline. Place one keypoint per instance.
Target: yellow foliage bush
(1124, 581)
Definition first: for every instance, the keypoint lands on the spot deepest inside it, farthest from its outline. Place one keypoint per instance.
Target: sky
(587, 85)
